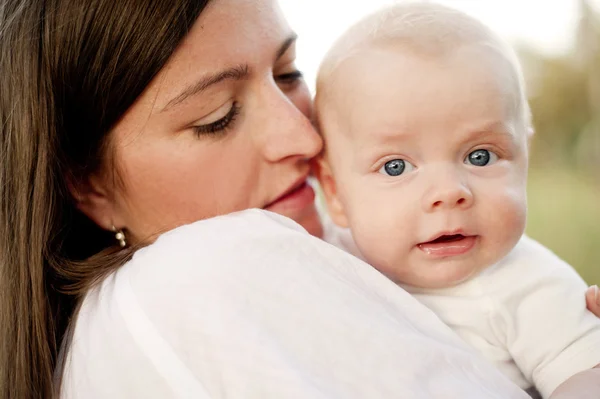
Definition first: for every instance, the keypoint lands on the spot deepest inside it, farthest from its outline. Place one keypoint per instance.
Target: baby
(427, 127)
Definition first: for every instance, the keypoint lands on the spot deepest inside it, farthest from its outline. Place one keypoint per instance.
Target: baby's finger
(592, 298)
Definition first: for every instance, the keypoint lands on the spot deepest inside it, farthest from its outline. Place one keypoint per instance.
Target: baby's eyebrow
(496, 129)
(393, 135)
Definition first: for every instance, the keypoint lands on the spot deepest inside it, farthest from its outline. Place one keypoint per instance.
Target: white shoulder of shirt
(249, 305)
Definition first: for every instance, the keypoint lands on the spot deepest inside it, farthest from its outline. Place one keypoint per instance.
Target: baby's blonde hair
(424, 29)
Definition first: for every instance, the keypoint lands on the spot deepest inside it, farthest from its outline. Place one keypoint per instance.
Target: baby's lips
(443, 248)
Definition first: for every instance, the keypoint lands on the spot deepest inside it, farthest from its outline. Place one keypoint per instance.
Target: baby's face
(428, 162)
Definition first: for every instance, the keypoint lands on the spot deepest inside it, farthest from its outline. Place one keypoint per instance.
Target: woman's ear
(93, 199)
(335, 207)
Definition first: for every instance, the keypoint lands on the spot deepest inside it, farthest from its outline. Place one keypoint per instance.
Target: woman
(121, 121)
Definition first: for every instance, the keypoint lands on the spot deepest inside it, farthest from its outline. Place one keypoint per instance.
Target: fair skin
(404, 165)
(592, 299)
(414, 124)
(258, 155)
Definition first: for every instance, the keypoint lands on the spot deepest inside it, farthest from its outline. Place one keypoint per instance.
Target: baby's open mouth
(448, 245)
(447, 238)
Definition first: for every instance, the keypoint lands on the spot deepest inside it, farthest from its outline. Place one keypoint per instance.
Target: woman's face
(223, 127)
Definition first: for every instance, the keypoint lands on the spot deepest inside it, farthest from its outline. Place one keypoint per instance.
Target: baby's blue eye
(396, 167)
(481, 158)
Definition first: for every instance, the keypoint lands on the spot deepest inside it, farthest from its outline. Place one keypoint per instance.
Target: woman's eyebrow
(285, 45)
(238, 72)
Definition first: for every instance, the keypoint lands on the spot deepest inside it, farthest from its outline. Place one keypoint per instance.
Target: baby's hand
(592, 298)
(584, 385)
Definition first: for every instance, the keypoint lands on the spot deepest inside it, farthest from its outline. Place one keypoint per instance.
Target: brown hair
(69, 69)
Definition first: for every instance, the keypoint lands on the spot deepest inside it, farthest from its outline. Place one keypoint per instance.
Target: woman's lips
(448, 246)
(295, 200)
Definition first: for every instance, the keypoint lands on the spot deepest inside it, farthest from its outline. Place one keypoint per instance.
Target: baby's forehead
(391, 93)
(399, 52)
(390, 70)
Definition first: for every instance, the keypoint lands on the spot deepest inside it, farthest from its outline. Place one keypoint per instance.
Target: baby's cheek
(380, 248)
(382, 234)
(515, 209)
(505, 221)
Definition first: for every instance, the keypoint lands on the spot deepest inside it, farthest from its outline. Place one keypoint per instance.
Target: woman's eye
(481, 158)
(289, 78)
(396, 167)
(220, 125)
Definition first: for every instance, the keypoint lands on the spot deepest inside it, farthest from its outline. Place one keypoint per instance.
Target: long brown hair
(69, 69)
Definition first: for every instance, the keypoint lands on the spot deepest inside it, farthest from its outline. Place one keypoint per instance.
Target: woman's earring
(120, 236)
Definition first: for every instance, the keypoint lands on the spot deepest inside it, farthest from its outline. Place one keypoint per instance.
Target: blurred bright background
(559, 45)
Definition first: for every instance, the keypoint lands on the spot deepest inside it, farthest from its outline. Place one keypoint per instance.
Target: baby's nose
(452, 193)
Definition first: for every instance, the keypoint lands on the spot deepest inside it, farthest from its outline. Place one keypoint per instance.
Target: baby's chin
(450, 278)
(441, 273)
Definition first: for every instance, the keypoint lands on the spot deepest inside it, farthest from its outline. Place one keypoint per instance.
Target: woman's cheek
(300, 97)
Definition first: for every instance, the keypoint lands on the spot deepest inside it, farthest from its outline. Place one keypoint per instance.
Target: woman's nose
(287, 132)
(446, 192)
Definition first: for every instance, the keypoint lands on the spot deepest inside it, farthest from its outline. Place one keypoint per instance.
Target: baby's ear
(530, 133)
(335, 208)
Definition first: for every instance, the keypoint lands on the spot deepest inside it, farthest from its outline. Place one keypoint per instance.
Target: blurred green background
(564, 182)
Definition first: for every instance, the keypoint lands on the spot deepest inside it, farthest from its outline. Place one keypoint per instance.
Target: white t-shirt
(527, 314)
(250, 306)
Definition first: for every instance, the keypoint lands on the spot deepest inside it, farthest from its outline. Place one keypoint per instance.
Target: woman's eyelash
(289, 77)
(220, 126)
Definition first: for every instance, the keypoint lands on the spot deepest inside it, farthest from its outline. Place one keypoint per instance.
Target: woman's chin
(309, 219)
